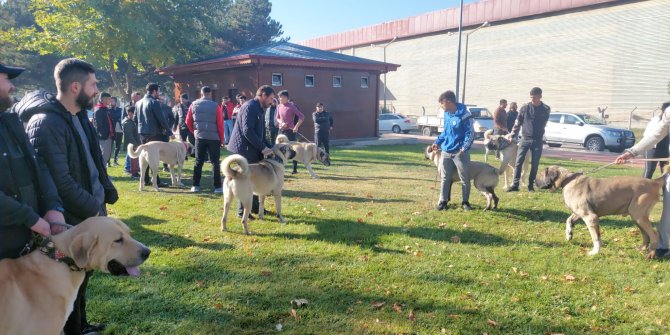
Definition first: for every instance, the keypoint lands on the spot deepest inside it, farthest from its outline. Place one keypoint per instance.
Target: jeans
(118, 139)
(459, 162)
(535, 148)
(291, 137)
(322, 138)
(203, 148)
(227, 129)
(663, 227)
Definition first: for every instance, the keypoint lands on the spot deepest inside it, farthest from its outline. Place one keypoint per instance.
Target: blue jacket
(248, 135)
(457, 134)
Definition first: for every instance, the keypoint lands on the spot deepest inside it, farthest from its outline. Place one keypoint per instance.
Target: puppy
(306, 153)
(39, 289)
(150, 154)
(263, 178)
(483, 176)
(591, 198)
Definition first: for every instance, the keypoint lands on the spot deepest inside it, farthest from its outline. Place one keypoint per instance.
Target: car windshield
(480, 113)
(590, 119)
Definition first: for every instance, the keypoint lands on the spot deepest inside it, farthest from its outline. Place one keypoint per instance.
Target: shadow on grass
(538, 215)
(168, 241)
(335, 196)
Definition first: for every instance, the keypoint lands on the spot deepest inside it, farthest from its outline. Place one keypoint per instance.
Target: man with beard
(248, 137)
(134, 98)
(152, 124)
(59, 130)
(116, 113)
(28, 198)
(104, 126)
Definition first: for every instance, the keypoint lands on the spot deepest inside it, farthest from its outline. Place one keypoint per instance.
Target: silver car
(589, 131)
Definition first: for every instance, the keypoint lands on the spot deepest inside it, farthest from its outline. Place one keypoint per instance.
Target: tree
(247, 24)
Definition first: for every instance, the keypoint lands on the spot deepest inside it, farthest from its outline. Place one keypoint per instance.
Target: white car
(396, 123)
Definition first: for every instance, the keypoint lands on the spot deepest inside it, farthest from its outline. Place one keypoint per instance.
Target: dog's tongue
(133, 271)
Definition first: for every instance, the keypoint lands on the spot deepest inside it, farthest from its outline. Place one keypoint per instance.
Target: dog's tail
(134, 153)
(281, 138)
(242, 163)
(661, 179)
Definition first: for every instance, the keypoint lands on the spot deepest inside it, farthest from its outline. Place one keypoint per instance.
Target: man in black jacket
(152, 124)
(532, 118)
(179, 111)
(59, 130)
(28, 197)
(248, 137)
(116, 113)
(104, 126)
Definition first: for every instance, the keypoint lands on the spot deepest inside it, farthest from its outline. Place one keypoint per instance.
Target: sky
(305, 19)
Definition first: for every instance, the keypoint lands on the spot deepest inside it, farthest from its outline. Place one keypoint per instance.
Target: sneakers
(531, 189)
(441, 206)
(218, 190)
(512, 189)
(662, 253)
(90, 329)
(195, 189)
(116, 163)
(466, 206)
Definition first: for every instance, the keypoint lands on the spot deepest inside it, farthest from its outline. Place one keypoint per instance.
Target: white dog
(151, 153)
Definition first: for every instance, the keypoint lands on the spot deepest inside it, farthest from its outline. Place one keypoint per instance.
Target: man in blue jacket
(248, 136)
(455, 142)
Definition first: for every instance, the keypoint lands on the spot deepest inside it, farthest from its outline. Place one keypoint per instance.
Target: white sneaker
(218, 190)
(195, 189)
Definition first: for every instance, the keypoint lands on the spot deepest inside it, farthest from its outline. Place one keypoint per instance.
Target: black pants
(650, 167)
(118, 141)
(273, 131)
(77, 321)
(322, 138)
(204, 148)
(291, 137)
(146, 139)
(535, 148)
(185, 134)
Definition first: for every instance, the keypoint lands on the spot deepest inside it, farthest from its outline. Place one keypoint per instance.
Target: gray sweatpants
(449, 163)
(106, 148)
(664, 225)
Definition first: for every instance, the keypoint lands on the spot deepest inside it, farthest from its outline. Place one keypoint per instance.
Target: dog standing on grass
(151, 153)
(506, 152)
(263, 178)
(306, 153)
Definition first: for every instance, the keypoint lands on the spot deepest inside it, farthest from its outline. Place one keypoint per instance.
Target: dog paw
(651, 254)
(593, 252)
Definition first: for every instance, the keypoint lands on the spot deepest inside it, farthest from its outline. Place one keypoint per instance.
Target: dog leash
(634, 159)
(305, 138)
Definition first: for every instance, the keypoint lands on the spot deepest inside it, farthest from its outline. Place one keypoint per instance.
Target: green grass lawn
(364, 246)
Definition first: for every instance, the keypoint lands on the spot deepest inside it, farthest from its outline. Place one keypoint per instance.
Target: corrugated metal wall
(616, 56)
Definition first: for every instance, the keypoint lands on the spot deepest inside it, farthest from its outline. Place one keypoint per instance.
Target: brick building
(584, 54)
(347, 85)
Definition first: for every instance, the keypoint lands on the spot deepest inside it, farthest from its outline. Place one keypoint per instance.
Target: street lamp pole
(458, 61)
(384, 47)
(465, 61)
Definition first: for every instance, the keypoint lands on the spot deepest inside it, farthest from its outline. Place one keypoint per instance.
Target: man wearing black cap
(28, 197)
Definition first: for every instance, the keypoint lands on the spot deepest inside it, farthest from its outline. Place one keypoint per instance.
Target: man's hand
(41, 227)
(623, 158)
(267, 152)
(509, 137)
(295, 129)
(54, 216)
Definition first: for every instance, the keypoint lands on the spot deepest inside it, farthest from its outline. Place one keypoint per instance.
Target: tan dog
(483, 176)
(507, 156)
(306, 153)
(152, 153)
(591, 198)
(263, 178)
(38, 291)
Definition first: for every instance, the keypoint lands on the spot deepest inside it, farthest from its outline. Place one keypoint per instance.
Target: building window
(277, 79)
(309, 80)
(364, 82)
(337, 81)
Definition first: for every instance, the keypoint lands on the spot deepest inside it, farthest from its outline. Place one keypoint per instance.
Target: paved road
(564, 153)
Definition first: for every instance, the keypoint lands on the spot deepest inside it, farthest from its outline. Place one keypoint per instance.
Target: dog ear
(81, 249)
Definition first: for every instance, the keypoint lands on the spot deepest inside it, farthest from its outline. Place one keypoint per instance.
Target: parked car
(396, 123)
(589, 131)
(433, 125)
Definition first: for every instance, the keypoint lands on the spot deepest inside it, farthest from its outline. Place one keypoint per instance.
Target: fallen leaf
(359, 220)
(629, 289)
(218, 306)
(295, 198)
(411, 316)
(544, 278)
(465, 225)
(369, 196)
(266, 273)
(515, 270)
(515, 299)
(163, 208)
(492, 323)
(455, 239)
(455, 316)
(416, 213)
(378, 304)
(364, 258)
(369, 214)
(294, 314)
(523, 274)
(206, 239)
(199, 283)
(418, 253)
(441, 225)
(378, 321)
(299, 302)
(407, 248)
(570, 278)
(397, 307)
(187, 235)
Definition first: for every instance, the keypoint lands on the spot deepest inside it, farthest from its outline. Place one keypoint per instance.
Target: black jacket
(248, 136)
(26, 189)
(115, 114)
(150, 117)
(532, 121)
(104, 126)
(56, 141)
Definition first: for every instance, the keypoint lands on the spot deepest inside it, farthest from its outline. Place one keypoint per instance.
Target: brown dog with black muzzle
(591, 198)
(39, 289)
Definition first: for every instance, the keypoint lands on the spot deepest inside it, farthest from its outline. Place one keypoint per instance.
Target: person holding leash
(652, 137)
(455, 142)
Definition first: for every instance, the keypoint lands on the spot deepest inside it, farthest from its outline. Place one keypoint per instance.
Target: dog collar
(47, 247)
(570, 178)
